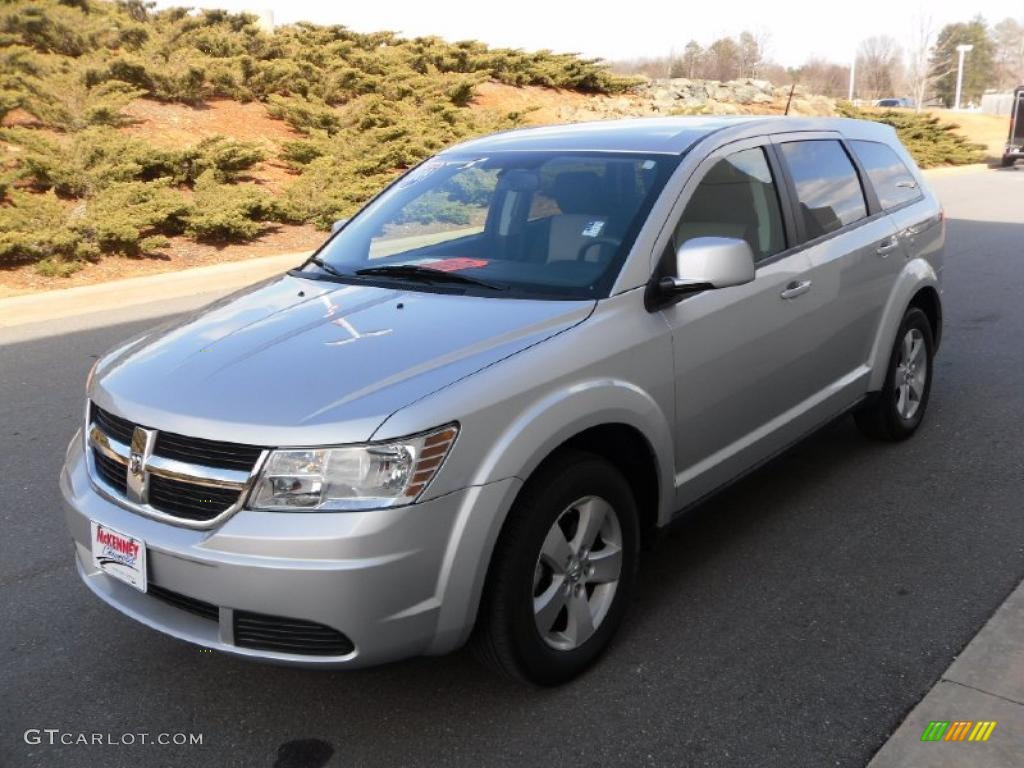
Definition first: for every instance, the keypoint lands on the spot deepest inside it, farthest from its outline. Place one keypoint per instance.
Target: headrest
(580, 192)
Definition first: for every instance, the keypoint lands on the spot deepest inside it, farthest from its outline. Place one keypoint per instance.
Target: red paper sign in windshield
(456, 264)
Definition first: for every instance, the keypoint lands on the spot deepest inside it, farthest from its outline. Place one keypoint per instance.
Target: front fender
(916, 274)
(551, 420)
(514, 452)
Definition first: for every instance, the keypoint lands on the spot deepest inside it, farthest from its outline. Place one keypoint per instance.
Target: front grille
(192, 501)
(113, 426)
(209, 453)
(275, 633)
(188, 500)
(184, 602)
(114, 473)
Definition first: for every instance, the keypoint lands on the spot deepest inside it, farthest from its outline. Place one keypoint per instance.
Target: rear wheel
(562, 572)
(1008, 160)
(897, 411)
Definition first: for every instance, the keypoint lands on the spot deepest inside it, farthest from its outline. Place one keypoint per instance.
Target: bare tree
(1008, 35)
(825, 77)
(753, 53)
(690, 63)
(723, 59)
(878, 61)
(921, 75)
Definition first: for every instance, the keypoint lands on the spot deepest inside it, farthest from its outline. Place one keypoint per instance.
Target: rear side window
(827, 187)
(736, 198)
(893, 182)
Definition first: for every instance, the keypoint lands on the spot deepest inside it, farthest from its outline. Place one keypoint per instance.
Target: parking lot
(791, 621)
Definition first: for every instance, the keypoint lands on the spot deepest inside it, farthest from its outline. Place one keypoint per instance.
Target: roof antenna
(790, 99)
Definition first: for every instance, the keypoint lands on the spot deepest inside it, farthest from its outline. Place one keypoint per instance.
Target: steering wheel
(598, 242)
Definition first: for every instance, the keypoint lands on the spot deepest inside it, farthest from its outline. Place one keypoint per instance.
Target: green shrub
(34, 227)
(19, 67)
(95, 158)
(330, 189)
(49, 28)
(72, 98)
(128, 217)
(125, 69)
(179, 57)
(225, 212)
(302, 152)
(57, 267)
(179, 79)
(225, 157)
(931, 141)
(304, 114)
(461, 94)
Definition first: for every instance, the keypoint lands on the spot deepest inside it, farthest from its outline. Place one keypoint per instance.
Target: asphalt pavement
(794, 620)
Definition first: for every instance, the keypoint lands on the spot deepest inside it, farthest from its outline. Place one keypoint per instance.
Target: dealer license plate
(119, 555)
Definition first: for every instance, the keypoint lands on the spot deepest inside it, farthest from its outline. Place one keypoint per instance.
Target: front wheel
(562, 572)
(897, 411)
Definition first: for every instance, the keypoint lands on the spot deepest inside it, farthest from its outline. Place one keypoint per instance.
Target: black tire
(1007, 161)
(506, 637)
(880, 417)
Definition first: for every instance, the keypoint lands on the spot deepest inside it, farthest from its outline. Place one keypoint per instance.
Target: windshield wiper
(327, 267)
(427, 275)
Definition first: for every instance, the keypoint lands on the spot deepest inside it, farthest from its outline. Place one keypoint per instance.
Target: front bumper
(397, 583)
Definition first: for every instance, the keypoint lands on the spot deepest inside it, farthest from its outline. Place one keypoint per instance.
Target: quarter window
(893, 182)
(827, 187)
(736, 198)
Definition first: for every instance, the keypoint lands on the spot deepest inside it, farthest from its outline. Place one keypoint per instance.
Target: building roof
(671, 135)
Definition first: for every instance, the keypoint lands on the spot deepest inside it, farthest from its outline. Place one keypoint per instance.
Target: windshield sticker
(593, 229)
(456, 264)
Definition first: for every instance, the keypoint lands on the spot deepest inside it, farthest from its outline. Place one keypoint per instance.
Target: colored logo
(958, 730)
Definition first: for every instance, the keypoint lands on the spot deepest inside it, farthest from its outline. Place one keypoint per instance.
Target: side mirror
(338, 225)
(704, 263)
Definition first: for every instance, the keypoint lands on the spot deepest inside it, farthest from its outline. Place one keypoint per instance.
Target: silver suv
(464, 416)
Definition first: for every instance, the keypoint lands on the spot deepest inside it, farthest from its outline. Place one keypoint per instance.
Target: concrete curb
(120, 294)
(984, 684)
(956, 170)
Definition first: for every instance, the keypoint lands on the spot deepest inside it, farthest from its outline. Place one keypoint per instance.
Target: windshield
(545, 224)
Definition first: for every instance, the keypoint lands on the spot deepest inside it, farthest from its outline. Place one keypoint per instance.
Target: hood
(302, 362)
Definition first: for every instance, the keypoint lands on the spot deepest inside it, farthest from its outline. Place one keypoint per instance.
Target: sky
(633, 28)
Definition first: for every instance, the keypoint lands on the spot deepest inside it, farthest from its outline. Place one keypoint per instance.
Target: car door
(918, 223)
(740, 362)
(849, 242)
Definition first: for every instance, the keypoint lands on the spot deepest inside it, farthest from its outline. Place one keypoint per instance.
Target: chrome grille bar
(140, 464)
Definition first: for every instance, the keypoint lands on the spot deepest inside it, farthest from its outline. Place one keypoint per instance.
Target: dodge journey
(465, 415)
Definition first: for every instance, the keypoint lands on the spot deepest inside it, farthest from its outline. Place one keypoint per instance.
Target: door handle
(887, 246)
(796, 288)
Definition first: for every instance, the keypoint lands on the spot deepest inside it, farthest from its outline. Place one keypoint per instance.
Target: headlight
(352, 477)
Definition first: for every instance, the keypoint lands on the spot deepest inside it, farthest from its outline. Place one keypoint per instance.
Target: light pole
(961, 49)
(853, 74)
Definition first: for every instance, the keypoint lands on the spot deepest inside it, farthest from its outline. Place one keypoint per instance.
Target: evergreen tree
(979, 64)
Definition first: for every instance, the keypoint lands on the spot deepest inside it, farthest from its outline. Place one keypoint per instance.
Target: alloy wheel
(911, 374)
(577, 573)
